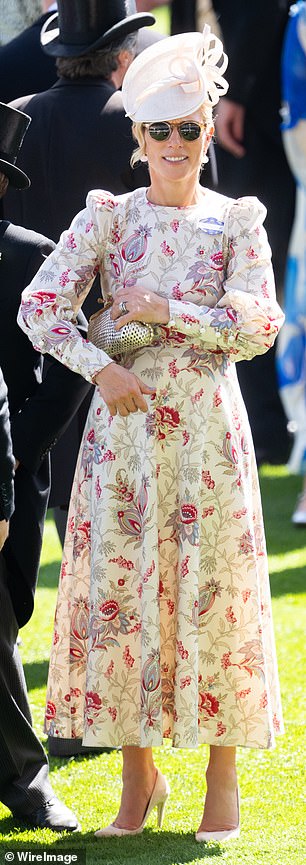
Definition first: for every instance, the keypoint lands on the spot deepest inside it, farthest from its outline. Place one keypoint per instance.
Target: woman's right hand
(121, 390)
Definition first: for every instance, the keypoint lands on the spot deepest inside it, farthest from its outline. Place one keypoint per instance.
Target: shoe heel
(160, 812)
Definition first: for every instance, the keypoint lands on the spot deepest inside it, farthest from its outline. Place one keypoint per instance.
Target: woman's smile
(175, 158)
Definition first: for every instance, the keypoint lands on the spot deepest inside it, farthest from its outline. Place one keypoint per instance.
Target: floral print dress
(163, 622)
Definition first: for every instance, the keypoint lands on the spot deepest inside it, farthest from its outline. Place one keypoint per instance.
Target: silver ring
(123, 307)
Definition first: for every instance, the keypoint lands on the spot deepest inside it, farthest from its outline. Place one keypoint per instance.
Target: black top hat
(13, 127)
(82, 26)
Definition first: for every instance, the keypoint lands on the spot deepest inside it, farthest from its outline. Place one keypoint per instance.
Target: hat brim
(164, 105)
(51, 44)
(15, 176)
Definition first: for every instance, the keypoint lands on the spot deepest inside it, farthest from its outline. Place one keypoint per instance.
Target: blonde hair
(138, 133)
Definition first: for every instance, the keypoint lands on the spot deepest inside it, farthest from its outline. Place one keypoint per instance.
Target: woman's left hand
(142, 304)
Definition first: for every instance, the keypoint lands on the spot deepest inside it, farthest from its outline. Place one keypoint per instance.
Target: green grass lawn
(272, 784)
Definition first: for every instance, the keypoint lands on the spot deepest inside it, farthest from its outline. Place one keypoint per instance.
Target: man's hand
(121, 390)
(230, 127)
(4, 530)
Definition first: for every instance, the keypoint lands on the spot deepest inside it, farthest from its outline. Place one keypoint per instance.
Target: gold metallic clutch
(130, 337)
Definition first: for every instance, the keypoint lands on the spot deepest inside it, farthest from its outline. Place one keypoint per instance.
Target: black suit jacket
(6, 456)
(79, 139)
(253, 35)
(24, 66)
(40, 409)
(183, 16)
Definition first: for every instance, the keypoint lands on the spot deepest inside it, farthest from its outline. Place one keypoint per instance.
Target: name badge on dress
(211, 225)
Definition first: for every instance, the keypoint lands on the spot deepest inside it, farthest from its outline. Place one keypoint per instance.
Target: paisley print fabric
(163, 622)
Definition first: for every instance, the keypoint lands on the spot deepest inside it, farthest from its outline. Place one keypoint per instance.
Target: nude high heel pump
(222, 834)
(158, 800)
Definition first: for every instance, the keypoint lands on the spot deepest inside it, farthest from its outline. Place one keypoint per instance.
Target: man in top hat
(79, 140)
(26, 68)
(39, 411)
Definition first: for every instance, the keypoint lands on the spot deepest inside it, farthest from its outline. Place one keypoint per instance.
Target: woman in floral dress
(163, 623)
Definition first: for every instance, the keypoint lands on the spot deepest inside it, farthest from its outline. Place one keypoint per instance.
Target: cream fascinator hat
(173, 77)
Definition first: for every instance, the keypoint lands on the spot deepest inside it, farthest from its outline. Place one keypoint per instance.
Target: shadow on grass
(59, 762)
(151, 847)
(289, 582)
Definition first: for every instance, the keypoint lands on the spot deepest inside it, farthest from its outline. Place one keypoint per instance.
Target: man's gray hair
(97, 64)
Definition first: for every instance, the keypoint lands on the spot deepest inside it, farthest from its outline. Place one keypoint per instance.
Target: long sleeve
(52, 300)
(246, 320)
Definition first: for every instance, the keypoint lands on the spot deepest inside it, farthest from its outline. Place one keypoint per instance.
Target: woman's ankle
(226, 776)
(138, 763)
(221, 769)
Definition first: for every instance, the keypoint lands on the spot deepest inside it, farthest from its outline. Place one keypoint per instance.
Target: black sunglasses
(188, 130)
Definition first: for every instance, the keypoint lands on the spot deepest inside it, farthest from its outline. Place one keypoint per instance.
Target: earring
(205, 159)
(143, 158)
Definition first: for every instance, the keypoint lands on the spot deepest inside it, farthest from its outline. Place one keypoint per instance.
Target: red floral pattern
(164, 599)
(208, 705)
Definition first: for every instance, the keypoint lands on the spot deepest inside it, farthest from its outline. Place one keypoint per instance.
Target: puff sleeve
(247, 318)
(51, 302)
